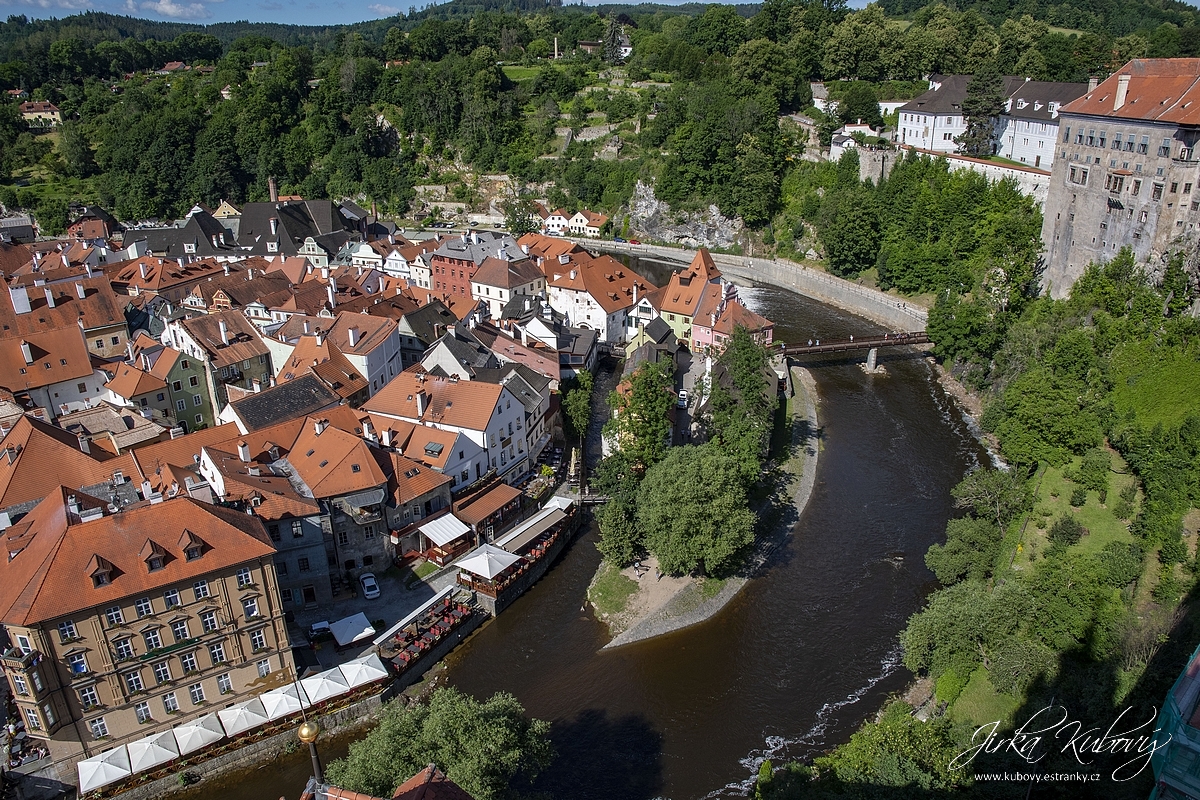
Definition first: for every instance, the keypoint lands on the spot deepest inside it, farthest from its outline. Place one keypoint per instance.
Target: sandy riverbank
(666, 604)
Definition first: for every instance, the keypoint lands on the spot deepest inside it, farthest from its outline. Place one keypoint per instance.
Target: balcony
(15, 659)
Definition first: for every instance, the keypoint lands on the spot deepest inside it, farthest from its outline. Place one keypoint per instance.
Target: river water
(794, 663)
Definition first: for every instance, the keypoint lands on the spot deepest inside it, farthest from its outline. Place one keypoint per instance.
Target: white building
(1027, 131)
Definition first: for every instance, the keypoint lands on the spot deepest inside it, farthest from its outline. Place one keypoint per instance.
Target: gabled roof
(412, 479)
(479, 245)
(35, 455)
(129, 382)
(1159, 89)
(430, 446)
(112, 428)
(300, 397)
(270, 495)
(334, 462)
(537, 357)
(686, 288)
(295, 221)
(327, 363)
(461, 404)
(156, 275)
(1042, 100)
(428, 322)
(57, 554)
(53, 356)
(13, 256)
(466, 350)
(430, 784)
(182, 451)
(506, 274)
(99, 307)
(240, 342)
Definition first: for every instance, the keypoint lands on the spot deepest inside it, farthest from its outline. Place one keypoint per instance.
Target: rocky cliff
(654, 220)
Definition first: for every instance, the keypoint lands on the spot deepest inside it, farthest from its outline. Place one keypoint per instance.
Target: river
(790, 667)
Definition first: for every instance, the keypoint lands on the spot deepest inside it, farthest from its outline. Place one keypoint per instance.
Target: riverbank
(664, 605)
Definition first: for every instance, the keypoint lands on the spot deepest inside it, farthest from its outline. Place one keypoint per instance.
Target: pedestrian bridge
(869, 343)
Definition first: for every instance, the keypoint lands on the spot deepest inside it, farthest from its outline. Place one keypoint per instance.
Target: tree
(577, 402)
(612, 41)
(520, 214)
(856, 46)
(996, 495)
(860, 103)
(981, 106)
(763, 65)
(621, 536)
(693, 509)
(850, 231)
(483, 747)
(971, 549)
(641, 425)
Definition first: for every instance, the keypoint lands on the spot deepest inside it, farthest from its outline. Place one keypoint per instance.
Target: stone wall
(1031, 182)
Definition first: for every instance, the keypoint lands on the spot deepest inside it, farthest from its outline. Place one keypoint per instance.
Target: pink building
(718, 314)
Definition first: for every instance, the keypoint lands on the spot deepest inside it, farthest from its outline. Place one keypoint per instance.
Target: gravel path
(688, 606)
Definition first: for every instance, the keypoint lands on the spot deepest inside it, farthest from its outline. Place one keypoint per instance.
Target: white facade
(1028, 141)
(497, 297)
(556, 222)
(934, 132)
(73, 395)
(583, 311)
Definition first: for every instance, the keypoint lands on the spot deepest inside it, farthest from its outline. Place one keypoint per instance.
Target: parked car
(618, 239)
(319, 632)
(369, 586)
(683, 398)
(634, 241)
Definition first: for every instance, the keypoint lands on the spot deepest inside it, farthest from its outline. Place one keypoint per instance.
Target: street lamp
(308, 733)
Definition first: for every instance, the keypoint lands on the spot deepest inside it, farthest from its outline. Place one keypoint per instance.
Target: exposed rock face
(653, 219)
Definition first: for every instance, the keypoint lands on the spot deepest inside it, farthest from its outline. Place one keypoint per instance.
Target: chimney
(273, 188)
(224, 332)
(256, 385)
(26, 352)
(81, 291)
(1093, 82)
(306, 326)
(474, 237)
(73, 504)
(49, 297)
(387, 437)
(147, 490)
(422, 402)
(1122, 92)
(331, 290)
(573, 274)
(215, 241)
(319, 426)
(354, 334)
(563, 258)
(367, 432)
(525, 249)
(142, 269)
(274, 226)
(635, 293)
(129, 349)
(324, 273)
(179, 261)
(84, 445)
(320, 337)
(244, 451)
(88, 269)
(226, 268)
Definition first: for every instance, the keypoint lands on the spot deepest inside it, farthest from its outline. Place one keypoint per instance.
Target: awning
(101, 770)
(325, 685)
(201, 732)
(243, 716)
(483, 507)
(363, 670)
(351, 629)
(444, 530)
(278, 703)
(487, 561)
(518, 540)
(415, 615)
(152, 751)
(371, 497)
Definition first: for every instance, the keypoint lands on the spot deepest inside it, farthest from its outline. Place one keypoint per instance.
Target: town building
(1127, 169)
(51, 369)
(123, 624)
(230, 349)
(164, 381)
(934, 120)
(1027, 131)
(682, 296)
(454, 264)
(40, 114)
(586, 223)
(719, 313)
(497, 281)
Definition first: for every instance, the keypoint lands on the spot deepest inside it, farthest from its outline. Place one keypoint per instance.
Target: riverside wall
(879, 307)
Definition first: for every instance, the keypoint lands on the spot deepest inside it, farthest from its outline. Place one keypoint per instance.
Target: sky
(294, 12)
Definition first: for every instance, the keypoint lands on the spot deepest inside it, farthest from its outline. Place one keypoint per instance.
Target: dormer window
(155, 563)
(153, 555)
(100, 571)
(192, 545)
(272, 247)
(189, 247)
(100, 579)
(192, 553)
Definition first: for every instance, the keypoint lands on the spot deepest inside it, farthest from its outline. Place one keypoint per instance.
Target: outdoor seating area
(420, 633)
(19, 747)
(492, 569)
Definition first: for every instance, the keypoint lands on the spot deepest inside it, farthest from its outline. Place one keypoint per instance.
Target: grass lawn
(710, 587)
(1003, 160)
(980, 703)
(1157, 385)
(611, 590)
(425, 568)
(518, 74)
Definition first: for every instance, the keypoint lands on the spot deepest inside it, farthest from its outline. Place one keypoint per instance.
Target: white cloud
(174, 10)
(74, 5)
(382, 10)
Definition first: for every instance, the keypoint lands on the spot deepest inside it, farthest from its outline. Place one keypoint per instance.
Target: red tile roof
(1159, 89)
(53, 356)
(430, 784)
(462, 404)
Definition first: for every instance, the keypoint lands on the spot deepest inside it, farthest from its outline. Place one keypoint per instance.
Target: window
(273, 531)
(1157, 192)
(133, 682)
(88, 697)
(81, 388)
(124, 648)
(1116, 141)
(281, 569)
(192, 553)
(1091, 138)
(66, 631)
(155, 563)
(32, 721)
(171, 598)
(209, 620)
(1078, 175)
(1142, 216)
(177, 386)
(99, 344)
(1187, 188)
(224, 684)
(188, 660)
(162, 671)
(303, 564)
(193, 381)
(1137, 188)
(250, 606)
(98, 727)
(114, 616)
(161, 397)
(179, 629)
(298, 525)
(196, 691)
(1144, 145)
(369, 532)
(1114, 183)
(185, 364)
(1067, 134)
(1164, 149)
(258, 640)
(264, 667)
(1100, 144)
(143, 712)
(143, 606)
(19, 684)
(343, 538)
(217, 652)
(1174, 187)
(170, 703)
(201, 589)
(153, 639)
(77, 663)
(181, 405)
(196, 401)
(244, 577)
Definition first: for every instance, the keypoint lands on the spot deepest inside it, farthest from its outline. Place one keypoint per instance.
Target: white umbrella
(148, 753)
(280, 702)
(101, 770)
(324, 685)
(363, 670)
(243, 716)
(487, 561)
(198, 733)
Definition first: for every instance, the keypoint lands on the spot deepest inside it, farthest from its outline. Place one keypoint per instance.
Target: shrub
(1078, 496)
(949, 686)
(1066, 531)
